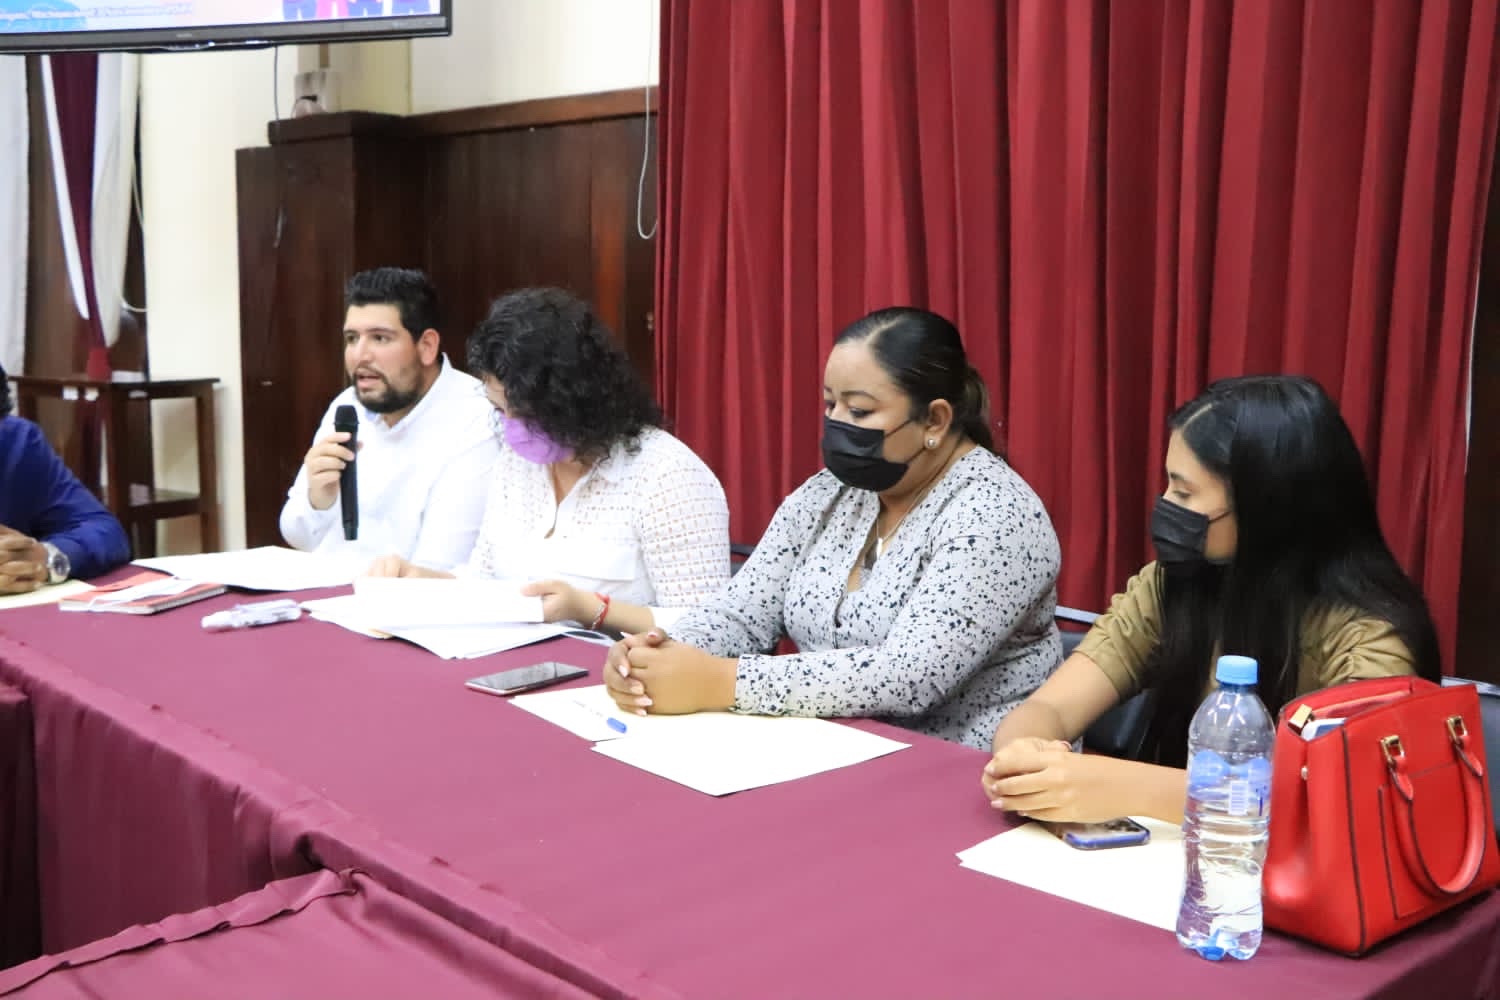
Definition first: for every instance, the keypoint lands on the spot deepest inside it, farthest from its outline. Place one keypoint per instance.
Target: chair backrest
(737, 555)
(1489, 721)
(1071, 637)
(1121, 731)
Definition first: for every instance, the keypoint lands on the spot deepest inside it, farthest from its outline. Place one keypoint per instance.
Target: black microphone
(344, 419)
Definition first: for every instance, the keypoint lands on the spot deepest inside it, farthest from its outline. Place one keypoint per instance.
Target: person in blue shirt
(51, 526)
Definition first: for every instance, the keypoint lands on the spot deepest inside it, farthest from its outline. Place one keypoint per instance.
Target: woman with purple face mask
(612, 521)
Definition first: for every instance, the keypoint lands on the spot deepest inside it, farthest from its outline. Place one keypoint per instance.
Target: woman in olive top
(1268, 545)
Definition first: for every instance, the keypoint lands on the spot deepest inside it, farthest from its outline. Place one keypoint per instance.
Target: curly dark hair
(563, 370)
(5, 405)
(410, 291)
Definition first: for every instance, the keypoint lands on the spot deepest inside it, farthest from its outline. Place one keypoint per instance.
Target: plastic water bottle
(1225, 819)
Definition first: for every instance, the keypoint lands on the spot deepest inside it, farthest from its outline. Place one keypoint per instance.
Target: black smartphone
(1120, 832)
(526, 678)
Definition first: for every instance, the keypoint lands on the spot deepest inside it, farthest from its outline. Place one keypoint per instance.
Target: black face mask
(1179, 534)
(856, 455)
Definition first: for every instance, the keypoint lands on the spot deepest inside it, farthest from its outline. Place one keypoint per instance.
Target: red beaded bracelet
(603, 610)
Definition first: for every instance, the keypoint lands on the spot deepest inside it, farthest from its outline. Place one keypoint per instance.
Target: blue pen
(609, 720)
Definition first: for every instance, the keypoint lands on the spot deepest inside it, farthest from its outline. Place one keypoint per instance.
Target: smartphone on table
(1122, 832)
(530, 678)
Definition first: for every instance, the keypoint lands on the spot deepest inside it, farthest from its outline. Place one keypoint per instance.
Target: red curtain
(1116, 201)
(75, 80)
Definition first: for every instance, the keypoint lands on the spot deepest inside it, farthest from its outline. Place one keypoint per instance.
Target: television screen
(155, 25)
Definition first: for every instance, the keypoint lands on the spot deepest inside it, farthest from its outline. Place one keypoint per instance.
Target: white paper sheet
(340, 611)
(45, 595)
(468, 642)
(269, 567)
(1143, 883)
(720, 753)
(387, 603)
(586, 711)
(451, 642)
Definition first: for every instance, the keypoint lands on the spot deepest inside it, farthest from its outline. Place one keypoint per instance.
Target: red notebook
(142, 594)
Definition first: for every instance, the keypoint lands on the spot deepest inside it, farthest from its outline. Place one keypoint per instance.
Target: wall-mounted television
(178, 25)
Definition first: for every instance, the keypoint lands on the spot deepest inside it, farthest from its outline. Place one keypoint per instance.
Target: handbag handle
(1471, 775)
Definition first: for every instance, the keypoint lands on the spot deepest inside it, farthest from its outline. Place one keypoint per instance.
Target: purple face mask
(531, 444)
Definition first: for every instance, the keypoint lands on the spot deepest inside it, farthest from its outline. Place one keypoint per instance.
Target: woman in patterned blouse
(916, 574)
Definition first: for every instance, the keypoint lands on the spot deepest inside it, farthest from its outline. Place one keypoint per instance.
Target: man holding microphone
(421, 435)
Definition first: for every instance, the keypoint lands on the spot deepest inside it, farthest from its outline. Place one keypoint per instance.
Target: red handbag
(1384, 820)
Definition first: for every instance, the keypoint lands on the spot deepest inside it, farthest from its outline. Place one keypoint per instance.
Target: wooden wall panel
(390, 225)
(295, 223)
(624, 263)
(507, 210)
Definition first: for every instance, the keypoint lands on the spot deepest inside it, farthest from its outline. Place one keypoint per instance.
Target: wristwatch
(59, 566)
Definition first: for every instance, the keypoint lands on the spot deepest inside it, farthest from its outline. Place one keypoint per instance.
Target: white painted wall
(196, 110)
(518, 50)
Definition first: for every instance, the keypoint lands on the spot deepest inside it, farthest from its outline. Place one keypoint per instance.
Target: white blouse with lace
(649, 527)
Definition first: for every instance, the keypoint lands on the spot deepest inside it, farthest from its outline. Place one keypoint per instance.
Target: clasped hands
(1045, 780)
(650, 672)
(23, 562)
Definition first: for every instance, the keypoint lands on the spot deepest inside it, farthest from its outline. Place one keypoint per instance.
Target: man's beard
(389, 400)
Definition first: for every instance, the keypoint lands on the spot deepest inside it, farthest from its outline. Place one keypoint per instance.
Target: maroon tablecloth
(20, 916)
(139, 815)
(841, 884)
(322, 935)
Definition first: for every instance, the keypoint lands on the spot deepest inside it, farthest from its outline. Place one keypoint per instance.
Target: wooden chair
(138, 505)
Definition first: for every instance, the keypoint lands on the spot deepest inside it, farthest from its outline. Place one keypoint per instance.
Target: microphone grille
(344, 418)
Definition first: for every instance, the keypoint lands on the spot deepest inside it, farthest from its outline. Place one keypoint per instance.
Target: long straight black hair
(1308, 540)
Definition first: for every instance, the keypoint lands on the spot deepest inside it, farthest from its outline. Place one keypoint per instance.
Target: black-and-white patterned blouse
(950, 629)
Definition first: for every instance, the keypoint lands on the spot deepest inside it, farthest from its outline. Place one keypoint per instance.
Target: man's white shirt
(422, 483)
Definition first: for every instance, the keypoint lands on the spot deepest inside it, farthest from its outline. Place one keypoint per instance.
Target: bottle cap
(1236, 670)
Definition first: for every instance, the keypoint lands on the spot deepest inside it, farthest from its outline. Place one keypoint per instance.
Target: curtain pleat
(1116, 201)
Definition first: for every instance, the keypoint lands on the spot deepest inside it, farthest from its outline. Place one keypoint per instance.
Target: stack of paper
(454, 619)
(389, 603)
(1143, 883)
(713, 752)
(269, 567)
(467, 642)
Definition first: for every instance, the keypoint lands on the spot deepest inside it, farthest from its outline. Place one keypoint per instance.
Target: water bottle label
(1206, 769)
(1259, 781)
(1239, 797)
